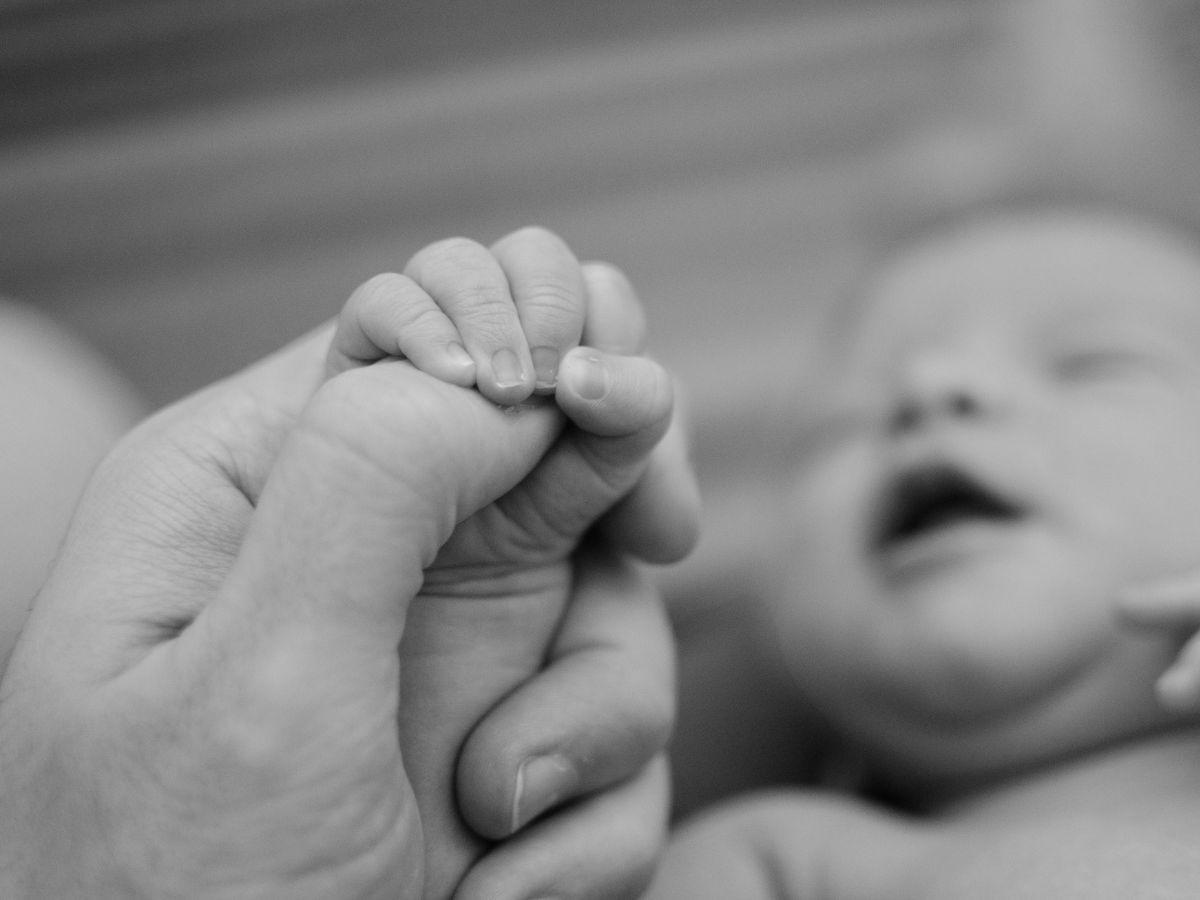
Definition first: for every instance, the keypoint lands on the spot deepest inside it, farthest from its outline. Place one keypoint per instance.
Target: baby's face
(1015, 436)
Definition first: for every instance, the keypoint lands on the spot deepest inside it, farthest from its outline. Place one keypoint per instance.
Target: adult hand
(204, 699)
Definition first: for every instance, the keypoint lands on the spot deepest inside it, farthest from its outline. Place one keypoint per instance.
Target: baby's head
(1013, 437)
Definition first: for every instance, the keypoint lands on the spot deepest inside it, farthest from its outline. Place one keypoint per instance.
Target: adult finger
(604, 847)
(467, 282)
(547, 287)
(600, 710)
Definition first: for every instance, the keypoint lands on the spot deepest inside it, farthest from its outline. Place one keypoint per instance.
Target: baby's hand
(1171, 605)
(499, 318)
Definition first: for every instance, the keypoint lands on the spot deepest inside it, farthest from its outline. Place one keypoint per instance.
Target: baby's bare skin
(1115, 825)
(1017, 452)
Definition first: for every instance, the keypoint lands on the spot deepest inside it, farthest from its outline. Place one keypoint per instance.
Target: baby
(520, 319)
(987, 581)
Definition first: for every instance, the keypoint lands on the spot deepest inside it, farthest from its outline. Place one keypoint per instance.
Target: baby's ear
(1170, 605)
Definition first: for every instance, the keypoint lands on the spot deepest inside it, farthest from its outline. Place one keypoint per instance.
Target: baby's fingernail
(587, 376)
(542, 781)
(545, 367)
(458, 356)
(506, 368)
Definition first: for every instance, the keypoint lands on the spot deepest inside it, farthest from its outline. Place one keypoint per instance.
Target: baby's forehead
(1045, 268)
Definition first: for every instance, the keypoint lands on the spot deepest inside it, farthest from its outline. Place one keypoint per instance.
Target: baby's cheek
(828, 521)
(827, 588)
(1161, 521)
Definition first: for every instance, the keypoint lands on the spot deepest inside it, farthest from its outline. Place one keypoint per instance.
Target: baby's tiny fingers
(390, 315)
(658, 521)
(470, 287)
(607, 395)
(547, 288)
(616, 322)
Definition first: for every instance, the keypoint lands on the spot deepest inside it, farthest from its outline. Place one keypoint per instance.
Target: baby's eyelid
(1086, 361)
(1117, 362)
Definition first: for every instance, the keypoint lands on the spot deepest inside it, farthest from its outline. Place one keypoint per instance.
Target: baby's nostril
(910, 414)
(963, 405)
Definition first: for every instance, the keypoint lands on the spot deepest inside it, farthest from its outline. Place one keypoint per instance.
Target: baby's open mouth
(935, 497)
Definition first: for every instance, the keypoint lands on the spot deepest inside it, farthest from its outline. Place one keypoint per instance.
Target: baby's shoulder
(1105, 826)
(794, 843)
(1070, 854)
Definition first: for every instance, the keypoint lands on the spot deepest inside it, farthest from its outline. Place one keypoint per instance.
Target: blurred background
(189, 185)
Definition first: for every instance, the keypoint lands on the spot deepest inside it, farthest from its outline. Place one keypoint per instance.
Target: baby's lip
(934, 495)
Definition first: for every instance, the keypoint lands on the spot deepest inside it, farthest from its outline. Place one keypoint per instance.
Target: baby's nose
(936, 387)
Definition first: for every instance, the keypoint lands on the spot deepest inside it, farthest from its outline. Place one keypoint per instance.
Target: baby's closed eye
(1084, 364)
(1104, 358)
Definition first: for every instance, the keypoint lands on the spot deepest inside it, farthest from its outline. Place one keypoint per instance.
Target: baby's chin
(942, 728)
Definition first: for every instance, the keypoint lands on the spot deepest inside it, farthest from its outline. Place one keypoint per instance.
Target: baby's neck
(1142, 772)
